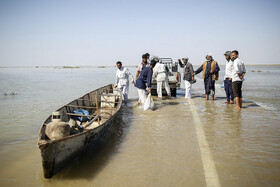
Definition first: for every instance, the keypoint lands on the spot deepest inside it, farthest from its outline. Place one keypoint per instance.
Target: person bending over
(143, 81)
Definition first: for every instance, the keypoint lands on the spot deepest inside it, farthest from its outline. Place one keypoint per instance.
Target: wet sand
(180, 143)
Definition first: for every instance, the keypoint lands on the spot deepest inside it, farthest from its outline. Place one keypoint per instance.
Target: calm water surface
(152, 148)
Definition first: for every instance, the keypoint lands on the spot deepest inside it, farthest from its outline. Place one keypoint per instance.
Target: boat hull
(57, 153)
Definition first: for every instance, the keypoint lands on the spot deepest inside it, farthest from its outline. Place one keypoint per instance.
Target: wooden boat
(103, 105)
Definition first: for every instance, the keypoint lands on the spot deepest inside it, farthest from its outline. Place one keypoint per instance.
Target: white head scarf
(210, 54)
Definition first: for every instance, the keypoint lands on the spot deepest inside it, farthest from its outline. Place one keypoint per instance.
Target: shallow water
(152, 148)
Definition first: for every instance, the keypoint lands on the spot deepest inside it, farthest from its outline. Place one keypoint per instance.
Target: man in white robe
(161, 75)
(122, 80)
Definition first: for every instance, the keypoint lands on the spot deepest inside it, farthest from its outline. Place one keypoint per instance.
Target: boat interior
(83, 114)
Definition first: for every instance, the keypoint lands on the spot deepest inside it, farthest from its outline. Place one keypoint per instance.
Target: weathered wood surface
(73, 114)
(86, 107)
(55, 153)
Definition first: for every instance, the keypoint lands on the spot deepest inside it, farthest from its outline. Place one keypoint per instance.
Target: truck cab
(174, 77)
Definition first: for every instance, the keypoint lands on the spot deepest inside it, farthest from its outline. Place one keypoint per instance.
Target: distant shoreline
(77, 67)
(63, 67)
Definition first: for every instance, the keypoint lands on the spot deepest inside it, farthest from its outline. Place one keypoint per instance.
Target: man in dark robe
(210, 69)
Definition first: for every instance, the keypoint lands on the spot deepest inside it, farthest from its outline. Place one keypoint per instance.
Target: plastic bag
(149, 103)
(81, 112)
(222, 85)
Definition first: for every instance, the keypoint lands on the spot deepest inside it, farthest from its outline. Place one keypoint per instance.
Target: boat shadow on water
(88, 165)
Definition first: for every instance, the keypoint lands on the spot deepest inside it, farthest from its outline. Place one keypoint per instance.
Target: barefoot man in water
(228, 78)
(210, 69)
(238, 74)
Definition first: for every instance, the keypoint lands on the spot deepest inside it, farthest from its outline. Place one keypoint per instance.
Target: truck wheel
(173, 92)
(153, 92)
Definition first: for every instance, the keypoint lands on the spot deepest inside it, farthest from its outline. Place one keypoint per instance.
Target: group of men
(146, 71)
(149, 69)
(234, 76)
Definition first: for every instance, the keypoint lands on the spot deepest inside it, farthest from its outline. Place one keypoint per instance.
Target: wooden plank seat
(91, 116)
(88, 107)
(98, 101)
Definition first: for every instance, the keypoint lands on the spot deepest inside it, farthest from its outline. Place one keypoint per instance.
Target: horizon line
(83, 66)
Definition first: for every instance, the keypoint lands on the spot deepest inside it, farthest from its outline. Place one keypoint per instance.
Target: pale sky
(94, 33)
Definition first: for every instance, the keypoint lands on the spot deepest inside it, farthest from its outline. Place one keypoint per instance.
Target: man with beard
(142, 65)
(210, 69)
(187, 75)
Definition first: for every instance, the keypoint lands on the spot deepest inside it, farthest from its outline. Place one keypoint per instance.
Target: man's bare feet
(231, 102)
(212, 97)
(207, 97)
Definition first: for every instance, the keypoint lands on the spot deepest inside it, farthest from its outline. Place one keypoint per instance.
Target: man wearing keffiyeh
(210, 69)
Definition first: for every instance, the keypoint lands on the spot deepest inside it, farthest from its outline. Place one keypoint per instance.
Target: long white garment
(122, 77)
(142, 96)
(159, 72)
(228, 69)
(238, 68)
(124, 91)
(188, 86)
(159, 87)
(122, 81)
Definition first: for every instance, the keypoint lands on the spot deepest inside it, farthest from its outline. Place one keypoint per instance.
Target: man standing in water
(210, 69)
(228, 78)
(161, 75)
(238, 74)
(188, 75)
(143, 64)
(122, 80)
(144, 78)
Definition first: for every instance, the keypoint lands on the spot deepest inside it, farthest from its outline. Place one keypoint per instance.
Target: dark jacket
(188, 70)
(144, 78)
(207, 67)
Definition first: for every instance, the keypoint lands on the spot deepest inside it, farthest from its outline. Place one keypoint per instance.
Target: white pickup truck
(174, 77)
